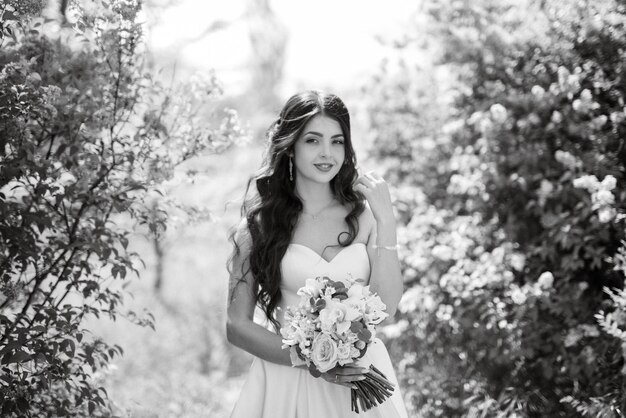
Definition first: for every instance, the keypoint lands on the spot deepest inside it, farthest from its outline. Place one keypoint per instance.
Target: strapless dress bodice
(301, 262)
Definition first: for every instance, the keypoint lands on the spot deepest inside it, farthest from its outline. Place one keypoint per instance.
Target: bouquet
(333, 325)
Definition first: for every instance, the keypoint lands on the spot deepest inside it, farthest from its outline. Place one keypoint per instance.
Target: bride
(308, 217)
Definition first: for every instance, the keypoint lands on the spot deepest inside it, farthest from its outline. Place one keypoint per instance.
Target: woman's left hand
(376, 191)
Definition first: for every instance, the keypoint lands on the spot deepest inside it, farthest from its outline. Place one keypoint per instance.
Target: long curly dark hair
(272, 212)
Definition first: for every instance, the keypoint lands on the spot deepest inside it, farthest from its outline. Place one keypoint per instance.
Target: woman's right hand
(345, 375)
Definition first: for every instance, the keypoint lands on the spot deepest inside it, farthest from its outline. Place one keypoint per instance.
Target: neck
(314, 196)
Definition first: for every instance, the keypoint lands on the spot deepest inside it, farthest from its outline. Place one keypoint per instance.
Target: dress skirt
(276, 391)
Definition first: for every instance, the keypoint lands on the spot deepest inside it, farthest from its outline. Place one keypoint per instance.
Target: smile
(324, 167)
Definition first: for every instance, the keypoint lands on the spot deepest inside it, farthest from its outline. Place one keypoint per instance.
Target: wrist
(385, 236)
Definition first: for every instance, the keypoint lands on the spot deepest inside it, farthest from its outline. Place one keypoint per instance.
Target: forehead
(323, 125)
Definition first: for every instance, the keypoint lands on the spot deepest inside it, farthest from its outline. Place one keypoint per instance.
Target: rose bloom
(588, 182)
(324, 352)
(375, 311)
(608, 183)
(498, 112)
(546, 280)
(343, 353)
(517, 295)
(606, 214)
(604, 197)
(292, 335)
(312, 288)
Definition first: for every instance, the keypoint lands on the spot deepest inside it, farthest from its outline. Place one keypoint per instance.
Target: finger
(349, 379)
(361, 188)
(365, 180)
(375, 176)
(375, 179)
(371, 175)
(352, 370)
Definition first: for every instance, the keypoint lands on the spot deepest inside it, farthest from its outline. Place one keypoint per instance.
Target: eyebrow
(319, 134)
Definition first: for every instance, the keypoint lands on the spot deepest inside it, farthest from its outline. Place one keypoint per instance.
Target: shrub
(87, 138)
(513, 200)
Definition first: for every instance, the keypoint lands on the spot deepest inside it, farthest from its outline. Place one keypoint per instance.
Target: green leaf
(356, 326)
(18, 357)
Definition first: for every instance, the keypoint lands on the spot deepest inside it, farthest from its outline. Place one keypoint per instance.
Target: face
(319, 151)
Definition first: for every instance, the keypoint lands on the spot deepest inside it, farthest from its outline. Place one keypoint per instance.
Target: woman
(309, 219)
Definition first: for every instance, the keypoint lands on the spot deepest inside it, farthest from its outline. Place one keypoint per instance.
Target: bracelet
(384, 247)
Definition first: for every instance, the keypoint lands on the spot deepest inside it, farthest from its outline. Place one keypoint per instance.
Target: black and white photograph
(330, 209)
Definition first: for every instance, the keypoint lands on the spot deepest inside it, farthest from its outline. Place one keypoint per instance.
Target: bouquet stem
(371, 391)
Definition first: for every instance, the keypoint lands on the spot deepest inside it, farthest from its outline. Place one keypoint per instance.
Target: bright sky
(331, 43)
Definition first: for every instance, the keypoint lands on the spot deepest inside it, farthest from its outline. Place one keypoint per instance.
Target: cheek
(300, 153)
(300, 159)
(342, 155)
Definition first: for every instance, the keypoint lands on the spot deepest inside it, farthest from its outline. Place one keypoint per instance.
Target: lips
(324, 167)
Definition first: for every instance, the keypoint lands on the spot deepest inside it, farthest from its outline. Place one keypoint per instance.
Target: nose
(325, 152)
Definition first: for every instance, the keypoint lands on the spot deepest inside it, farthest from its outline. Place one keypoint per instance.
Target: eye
(310, 140)
(338, 141)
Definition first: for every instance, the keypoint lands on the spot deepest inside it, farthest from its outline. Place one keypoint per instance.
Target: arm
(385, 276)
(241, 330)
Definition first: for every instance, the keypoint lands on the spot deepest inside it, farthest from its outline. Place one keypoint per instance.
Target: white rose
(324, 352)
(608, 183)
(292, 336)
(603, 198)
(312, 288)
(606, 214)
(356, 290)
(343, 353)
(517, 295)
(517, 261)
(538, 91)
(588, 182)
(546, 280)
(375, 311)
(498, 112)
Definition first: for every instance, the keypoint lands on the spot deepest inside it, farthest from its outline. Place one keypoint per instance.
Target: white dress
(277, 391)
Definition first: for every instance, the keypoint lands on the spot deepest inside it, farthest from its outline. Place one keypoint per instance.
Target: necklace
(316, 216)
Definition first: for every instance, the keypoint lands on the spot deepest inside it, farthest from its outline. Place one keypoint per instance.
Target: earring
(290, 169)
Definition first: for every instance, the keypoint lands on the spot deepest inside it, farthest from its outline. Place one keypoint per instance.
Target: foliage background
(513, 199)
(500, 126)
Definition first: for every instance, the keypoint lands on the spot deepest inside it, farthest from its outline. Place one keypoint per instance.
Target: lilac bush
(511, 191)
